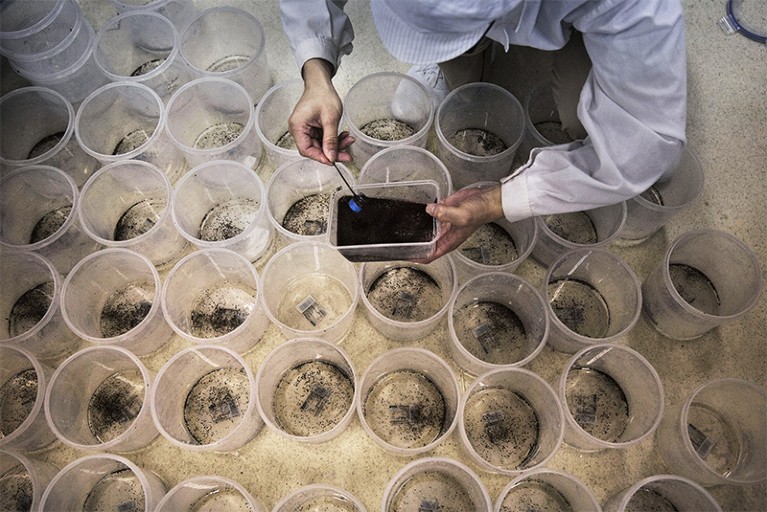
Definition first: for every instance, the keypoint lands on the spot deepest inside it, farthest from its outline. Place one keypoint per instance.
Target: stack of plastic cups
(50, 43)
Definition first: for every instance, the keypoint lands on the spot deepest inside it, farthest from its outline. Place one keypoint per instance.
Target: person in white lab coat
(627, 113)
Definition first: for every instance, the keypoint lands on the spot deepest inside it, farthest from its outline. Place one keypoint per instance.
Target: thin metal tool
(355, 203)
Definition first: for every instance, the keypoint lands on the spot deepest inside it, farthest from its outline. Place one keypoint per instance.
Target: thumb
(441, 212)
(330, 141)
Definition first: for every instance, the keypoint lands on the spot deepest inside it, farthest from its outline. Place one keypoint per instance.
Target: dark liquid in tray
(383, 221)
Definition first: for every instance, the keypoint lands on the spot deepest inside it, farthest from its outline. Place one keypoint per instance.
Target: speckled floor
(726, 129)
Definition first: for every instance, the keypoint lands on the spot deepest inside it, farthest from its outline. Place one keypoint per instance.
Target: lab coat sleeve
(633, 107)
(317, 29)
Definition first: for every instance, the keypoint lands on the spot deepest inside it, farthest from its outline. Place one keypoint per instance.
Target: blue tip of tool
(354, 206)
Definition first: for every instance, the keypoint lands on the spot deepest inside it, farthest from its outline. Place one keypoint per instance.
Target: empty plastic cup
(204, 399)
(652, 209)
(717, 434)
(272, 115)
(23, 381)
(228, 42)
(103, 482)
(212, 119)
(499, 246)
(310, 290)
(663, 492)
(23, 480)
(37, 126)
(705, 279)
(31, 28)
(435, 483)
(593, 297)
(126, 120)
(479, 127)
(143, 47)
(223, 204)
(98, 399)
(404, 300)
(319, 497)
(127, 204)
(406, 163)
(562, 232)
(38, 212)
(31, 303)
(510, 421)
(298, 196)
(407, 401)
(306, 390)
(546, 489)
(496, 320)
(213, 296)
(105, 306)
(209, 492)
(612, 398)
(386, 109)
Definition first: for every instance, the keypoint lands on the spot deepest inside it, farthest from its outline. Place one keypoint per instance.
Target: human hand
(462, 213)
(315, 118)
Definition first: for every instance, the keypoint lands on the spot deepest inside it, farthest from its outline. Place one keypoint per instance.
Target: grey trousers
(569, 68)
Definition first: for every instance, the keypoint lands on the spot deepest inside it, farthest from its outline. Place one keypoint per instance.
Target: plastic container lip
(80, 24)
(34, 477)
(162, 68)
(631, 491)
(531, 474)
(681, 302)
(126, 336)
(42, 384)
(64, 74)
(145, 377)
(37, 26)
(74, 194)
(673, 208)
(202, 481)
(683, 421)
(264, 139)
(232, 10)
(52, 309)
(542, 227)
(319, 490)
(67, 133)
(473, 158)
(375, 251)
(220, 149)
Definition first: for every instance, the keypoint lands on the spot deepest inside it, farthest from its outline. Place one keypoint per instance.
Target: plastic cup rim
(271, 146)
(42, 383)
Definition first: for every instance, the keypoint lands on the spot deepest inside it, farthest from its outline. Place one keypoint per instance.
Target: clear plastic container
(547, 489)
(103, 482)
(409, 300)
(47, 137)
(663, 492)
(560, 233)
(479, 127)
(120, 308)
(387, 221)
(214, 296)
(223, 205)
(142, 47)
(306, 389)
(406, 163)
(310, 290)
(209, 492)
(31, 303)
(612, 398)
(272, 115)
(177, 11)
(319, 497)
(436, 482)
(496, 320)
(386, 109)
(23, 480)
(125, 121)
(127, 205)
(510, 421)
(23, 382)
(204, 399)
(543, 126)
(407, 401)
(299, 196)
(98, 399)
(228, 42)
(593, 297)
(30, 28)
(38, 212)
(212, 119)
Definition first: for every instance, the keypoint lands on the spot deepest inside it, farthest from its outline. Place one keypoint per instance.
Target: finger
(330, 141)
